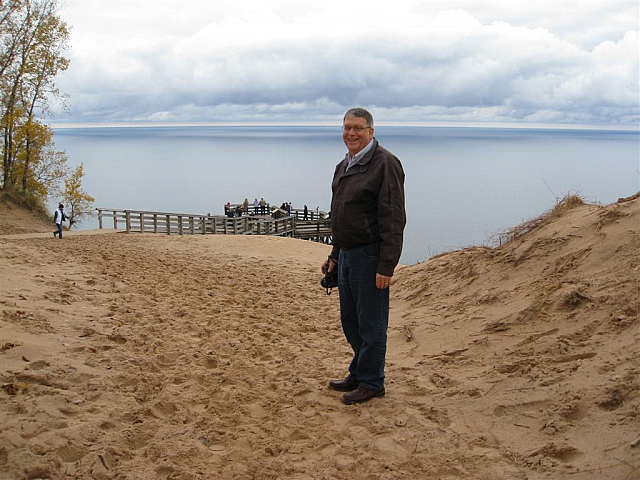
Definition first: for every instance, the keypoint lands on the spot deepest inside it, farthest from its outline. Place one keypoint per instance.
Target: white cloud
(570, 61)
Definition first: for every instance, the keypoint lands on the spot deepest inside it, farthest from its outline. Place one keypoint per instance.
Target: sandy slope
(14, 219)
(142, 357)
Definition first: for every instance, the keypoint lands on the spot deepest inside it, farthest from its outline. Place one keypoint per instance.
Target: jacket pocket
(371, 250)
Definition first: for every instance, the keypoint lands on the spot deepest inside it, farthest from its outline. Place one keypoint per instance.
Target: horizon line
(533, 126)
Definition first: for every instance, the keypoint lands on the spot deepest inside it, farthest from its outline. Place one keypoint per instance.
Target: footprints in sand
(541, 456)
(185, 358)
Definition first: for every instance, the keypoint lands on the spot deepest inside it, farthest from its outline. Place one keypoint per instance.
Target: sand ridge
(141, 356)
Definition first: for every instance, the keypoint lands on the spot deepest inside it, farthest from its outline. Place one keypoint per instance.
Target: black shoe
(361, 395)
(344, 385)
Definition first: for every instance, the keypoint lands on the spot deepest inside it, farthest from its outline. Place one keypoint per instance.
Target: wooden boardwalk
(137, 221)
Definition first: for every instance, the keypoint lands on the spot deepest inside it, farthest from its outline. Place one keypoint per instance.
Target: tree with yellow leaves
(33, 40)
(79, 202)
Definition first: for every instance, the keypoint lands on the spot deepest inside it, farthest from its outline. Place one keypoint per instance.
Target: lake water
(463, 185)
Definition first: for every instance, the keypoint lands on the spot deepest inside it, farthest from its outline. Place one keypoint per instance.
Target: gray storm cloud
(446, 66)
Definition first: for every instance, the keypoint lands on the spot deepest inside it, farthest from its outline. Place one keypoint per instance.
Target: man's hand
(332, 264)
(382, 281)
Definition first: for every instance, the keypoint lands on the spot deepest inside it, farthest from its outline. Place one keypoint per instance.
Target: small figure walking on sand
(58, 218)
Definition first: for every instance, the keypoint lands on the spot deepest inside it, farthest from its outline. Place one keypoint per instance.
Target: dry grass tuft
(569, 202)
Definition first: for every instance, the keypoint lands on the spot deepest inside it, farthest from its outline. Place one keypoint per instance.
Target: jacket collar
(363, 161)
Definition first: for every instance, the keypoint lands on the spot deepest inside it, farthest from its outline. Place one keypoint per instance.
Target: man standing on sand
(58, 218)
(367, 219)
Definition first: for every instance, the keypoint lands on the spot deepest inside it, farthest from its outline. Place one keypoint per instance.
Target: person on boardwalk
(306, 213)
(245, 206)
(256, 204)
(263, 206)
(367, 219)
(58, 218)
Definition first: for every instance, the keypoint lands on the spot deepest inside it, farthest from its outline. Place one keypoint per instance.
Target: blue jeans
(364, 312)
(59, 231)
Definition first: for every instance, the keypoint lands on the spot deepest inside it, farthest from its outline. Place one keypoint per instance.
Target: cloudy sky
(412, 61)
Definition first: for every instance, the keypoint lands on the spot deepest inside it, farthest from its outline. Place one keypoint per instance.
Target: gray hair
(361, 113)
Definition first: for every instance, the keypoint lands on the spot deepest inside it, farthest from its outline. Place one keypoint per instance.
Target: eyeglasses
(347, 129)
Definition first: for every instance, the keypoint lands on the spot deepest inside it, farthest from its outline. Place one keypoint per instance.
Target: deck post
(127, 220)
(168, 219)
(155, 223)
(99, 218)
(179, 224)
(141, 222)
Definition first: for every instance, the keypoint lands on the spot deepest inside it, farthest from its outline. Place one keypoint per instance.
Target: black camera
(330, 279)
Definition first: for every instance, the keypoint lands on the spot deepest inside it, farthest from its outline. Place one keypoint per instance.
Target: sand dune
(142, 357)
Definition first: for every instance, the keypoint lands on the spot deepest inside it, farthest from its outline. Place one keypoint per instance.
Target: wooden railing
(270, 209)
(137, 221)
(317, 230)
